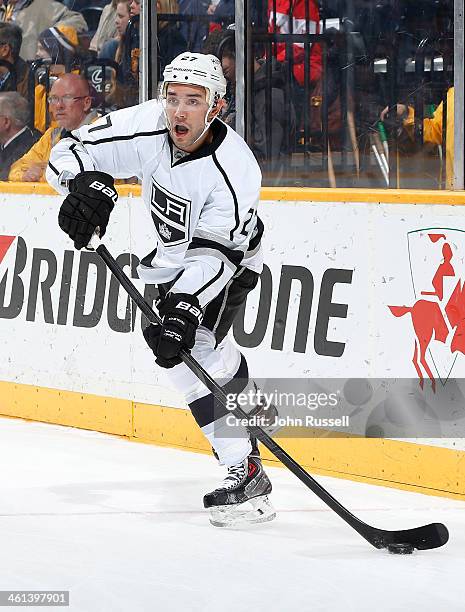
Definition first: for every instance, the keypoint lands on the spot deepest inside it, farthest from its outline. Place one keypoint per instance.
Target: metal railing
(369, 59)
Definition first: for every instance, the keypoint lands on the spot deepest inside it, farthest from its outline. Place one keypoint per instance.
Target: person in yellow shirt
(432, 129)
(70, 106)
(60, 46)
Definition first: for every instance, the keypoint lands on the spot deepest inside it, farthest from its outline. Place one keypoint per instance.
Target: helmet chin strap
(207, 122)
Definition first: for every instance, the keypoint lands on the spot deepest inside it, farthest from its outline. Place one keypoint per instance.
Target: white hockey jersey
(203, 205)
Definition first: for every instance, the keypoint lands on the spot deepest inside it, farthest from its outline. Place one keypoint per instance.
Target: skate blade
(256, 510)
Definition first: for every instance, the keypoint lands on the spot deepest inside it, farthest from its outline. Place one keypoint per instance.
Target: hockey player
(200, 184)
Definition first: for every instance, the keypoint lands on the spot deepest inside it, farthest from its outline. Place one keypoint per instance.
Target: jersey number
(250, 215)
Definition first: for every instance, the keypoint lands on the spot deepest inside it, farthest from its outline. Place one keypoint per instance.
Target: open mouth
(180, 130)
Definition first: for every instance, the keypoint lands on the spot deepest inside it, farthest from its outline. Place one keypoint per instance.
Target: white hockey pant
(223, 363)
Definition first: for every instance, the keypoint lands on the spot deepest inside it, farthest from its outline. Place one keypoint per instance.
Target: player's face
(186, 107)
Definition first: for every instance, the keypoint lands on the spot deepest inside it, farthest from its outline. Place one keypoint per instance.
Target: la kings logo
(170, 215)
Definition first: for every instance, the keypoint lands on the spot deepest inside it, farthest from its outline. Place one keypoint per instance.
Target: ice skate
(242, 497)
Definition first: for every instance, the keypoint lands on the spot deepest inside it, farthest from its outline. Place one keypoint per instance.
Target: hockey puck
(400, 549)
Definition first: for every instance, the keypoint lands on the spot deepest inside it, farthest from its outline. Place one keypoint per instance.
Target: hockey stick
(422, 538)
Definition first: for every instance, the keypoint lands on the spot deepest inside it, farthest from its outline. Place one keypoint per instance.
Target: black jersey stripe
(79, 160)
(234, 256)
(219, 131)
(207, 409)
(52, 167)
(230, 187)
(125, 137)
(147, 260)
(106, 125)
(68, 134)
(257, 236)
(212, 280)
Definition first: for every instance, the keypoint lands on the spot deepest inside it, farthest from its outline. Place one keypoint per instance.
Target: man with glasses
(70, 106)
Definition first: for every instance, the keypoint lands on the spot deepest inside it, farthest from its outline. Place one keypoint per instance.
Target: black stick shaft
(359, 526)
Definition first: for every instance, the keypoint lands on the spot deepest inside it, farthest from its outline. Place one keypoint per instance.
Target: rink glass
(311, 112)
(308, 91)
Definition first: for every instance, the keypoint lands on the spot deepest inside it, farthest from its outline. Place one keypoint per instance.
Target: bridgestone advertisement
(352, 297)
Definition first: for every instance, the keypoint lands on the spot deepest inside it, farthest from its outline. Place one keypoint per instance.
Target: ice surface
(121, 525)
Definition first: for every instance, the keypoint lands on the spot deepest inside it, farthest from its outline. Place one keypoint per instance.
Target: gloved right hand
(88, 206)
(181, 315)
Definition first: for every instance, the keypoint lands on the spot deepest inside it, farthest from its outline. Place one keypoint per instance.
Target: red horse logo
(430, 317)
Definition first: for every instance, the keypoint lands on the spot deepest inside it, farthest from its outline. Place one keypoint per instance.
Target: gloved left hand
(181, 315)
(92, 196)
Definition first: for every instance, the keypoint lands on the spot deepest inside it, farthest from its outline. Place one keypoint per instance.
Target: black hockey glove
(181, 315)
(88, 206)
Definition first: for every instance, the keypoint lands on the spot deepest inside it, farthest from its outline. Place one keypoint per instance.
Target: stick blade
(421, 538)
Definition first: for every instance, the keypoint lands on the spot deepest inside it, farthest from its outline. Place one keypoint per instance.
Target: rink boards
(73, 352)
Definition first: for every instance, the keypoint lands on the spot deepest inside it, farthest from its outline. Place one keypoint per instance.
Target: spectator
(213, 6)
(221, 9)
(15, 137)
(170, 40)
(80, 5)
(125, 51)
(60, 46)
(290, 18)
(283, 121)
(106, 28)
(432, 129)
(127, 92)
(170, 44)
(225, 50)
(10, 43)
(214, 42)
(227, 8)
(113, 48)
(194, 32)
(70, 106)
(34, 16)
(134, 7)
